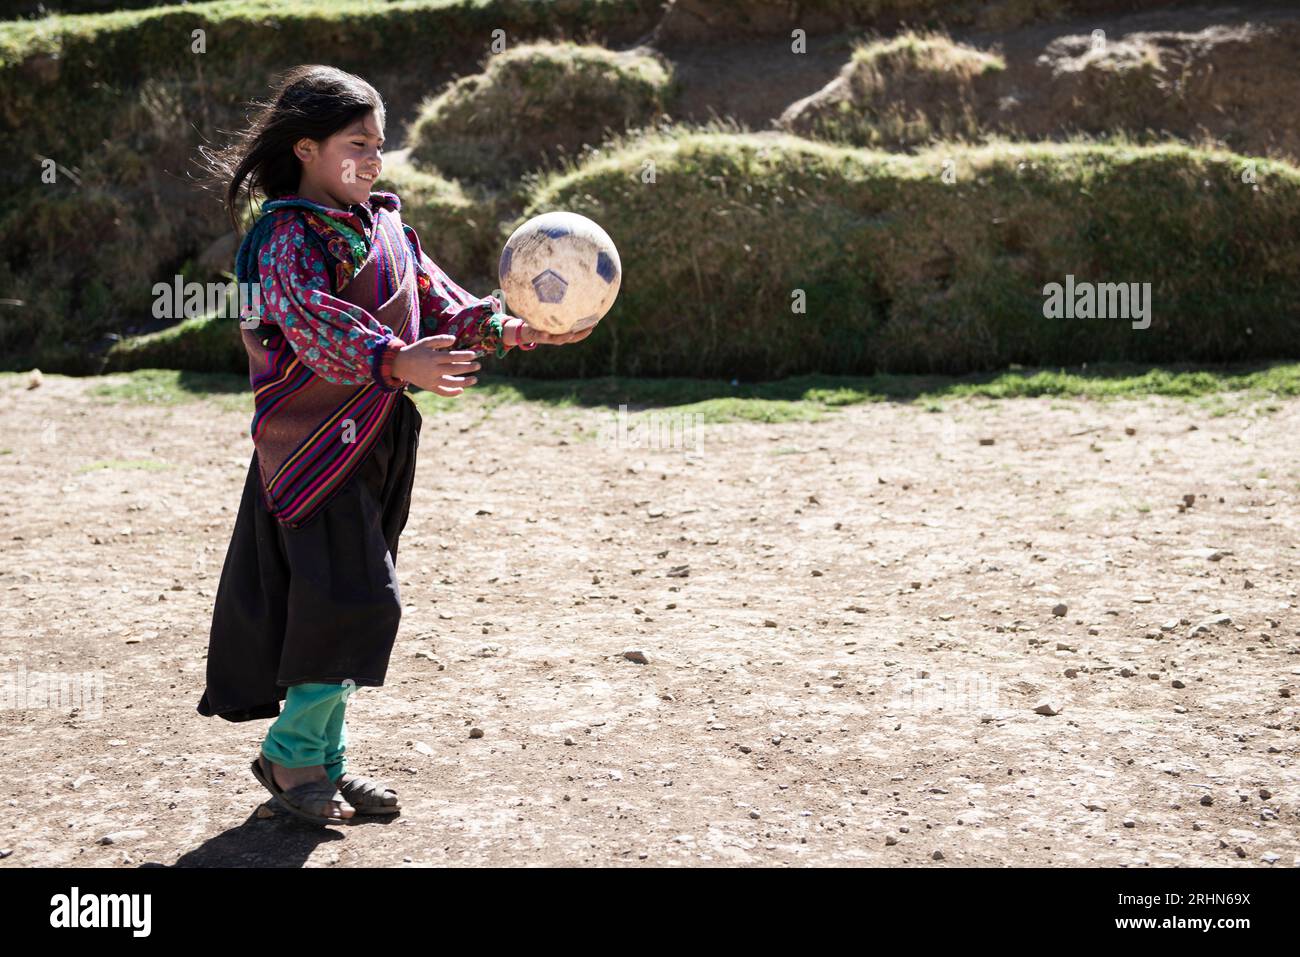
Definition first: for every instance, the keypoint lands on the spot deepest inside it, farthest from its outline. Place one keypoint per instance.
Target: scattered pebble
(1047, 707)
(637, 656)
(1202, 627)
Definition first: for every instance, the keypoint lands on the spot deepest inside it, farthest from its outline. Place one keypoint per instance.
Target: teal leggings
(310, 729)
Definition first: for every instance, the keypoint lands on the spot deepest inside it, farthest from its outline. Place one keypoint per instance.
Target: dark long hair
(310, 101)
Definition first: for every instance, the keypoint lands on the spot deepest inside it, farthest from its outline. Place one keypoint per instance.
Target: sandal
(297, 799)
(368, 797)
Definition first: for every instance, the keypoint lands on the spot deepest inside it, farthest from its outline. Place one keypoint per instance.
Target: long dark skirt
(318, 603)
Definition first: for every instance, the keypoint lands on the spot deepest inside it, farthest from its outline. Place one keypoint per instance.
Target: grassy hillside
(898, 270)
(731, 241)
(120, 102)
(1198, 86)
(904, 272)
(535, 101)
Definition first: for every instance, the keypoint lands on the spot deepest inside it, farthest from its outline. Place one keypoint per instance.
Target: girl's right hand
(429, 364)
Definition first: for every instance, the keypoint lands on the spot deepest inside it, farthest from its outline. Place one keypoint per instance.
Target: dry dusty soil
(851, 627)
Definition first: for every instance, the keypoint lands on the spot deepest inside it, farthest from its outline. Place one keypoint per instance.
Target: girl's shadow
(279, 841)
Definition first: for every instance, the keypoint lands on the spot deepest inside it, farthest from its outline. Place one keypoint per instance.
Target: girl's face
(340, 171)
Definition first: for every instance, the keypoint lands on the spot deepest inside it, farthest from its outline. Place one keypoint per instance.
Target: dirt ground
(848, 625)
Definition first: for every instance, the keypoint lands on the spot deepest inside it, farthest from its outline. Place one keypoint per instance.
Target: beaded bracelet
(519, 338)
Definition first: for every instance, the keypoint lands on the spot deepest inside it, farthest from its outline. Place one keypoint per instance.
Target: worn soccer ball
(560, 272)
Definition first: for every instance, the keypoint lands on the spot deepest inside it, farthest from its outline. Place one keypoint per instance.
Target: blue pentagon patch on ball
(605, 267)
(507, 255)
(550, 286)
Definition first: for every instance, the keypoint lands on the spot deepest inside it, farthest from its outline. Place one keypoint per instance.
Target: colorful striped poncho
(340, 292)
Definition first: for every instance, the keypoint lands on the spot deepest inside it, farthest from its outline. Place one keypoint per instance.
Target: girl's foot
(369, 797)
(289, 778)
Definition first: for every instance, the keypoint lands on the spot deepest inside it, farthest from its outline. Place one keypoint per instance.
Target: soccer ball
(560, 272)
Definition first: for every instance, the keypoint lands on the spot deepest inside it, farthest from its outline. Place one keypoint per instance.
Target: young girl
(352, 312)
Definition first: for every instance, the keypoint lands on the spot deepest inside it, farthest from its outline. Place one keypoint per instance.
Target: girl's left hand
(528, 335)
